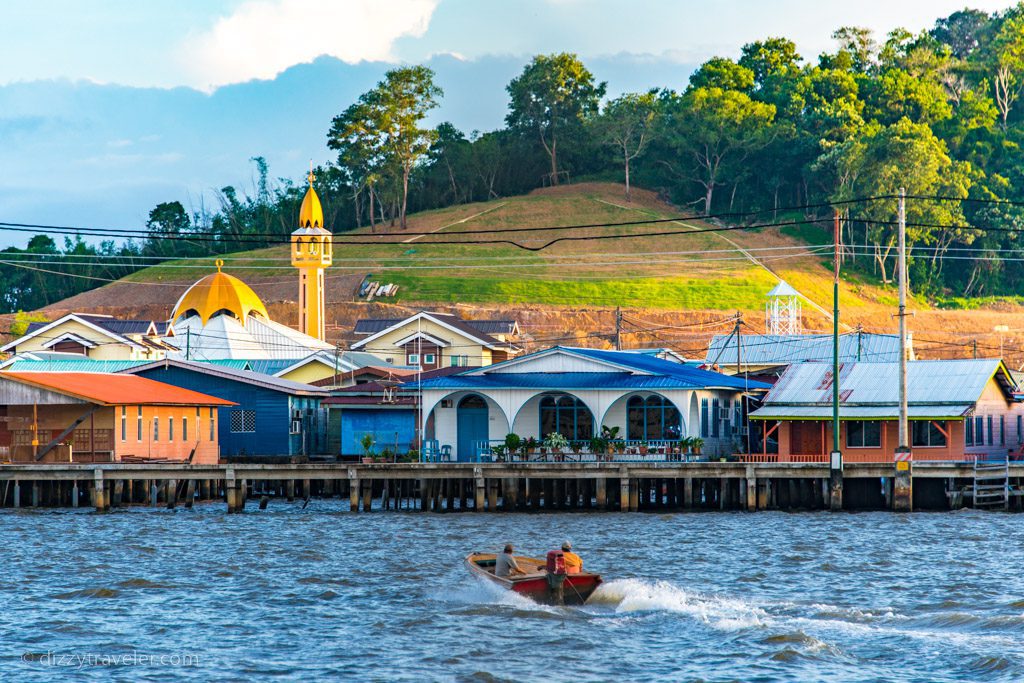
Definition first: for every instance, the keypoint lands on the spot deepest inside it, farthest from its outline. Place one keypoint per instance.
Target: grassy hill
(569, 288)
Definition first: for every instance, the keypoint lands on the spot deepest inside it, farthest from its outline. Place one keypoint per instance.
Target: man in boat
(573, 562)
(505, 564)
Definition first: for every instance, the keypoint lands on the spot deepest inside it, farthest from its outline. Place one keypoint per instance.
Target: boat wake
(625, 596)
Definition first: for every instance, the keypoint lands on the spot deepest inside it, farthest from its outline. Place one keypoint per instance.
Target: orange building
(96, 417)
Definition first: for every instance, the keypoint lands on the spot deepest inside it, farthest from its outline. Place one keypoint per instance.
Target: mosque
(221, 318)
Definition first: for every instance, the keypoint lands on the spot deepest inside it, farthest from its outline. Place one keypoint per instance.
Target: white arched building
(575, 391)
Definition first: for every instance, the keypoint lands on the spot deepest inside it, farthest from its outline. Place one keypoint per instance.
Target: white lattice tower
(783, 312)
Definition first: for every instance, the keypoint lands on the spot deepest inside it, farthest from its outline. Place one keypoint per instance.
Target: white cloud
(262, 38)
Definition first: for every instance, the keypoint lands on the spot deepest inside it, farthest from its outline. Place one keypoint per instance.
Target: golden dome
(219, 292)
(311, 215)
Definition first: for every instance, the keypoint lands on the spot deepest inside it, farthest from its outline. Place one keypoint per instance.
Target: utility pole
(903, 482)
(836, 456)
(618, 328)
(974, 343)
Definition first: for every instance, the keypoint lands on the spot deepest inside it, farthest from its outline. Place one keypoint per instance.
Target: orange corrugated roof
(116, 389)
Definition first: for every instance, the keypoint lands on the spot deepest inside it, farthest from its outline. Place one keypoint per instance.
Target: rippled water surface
(318, 594)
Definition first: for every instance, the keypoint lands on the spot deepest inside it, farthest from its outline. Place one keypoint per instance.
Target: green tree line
(938, 113)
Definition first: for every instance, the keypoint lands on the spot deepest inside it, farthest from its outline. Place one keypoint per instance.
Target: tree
(961, 31)
(858, 45)
(627, 124)
(405, 96)
(381, 135)
(771, 57)
(726, 74)
(554, 94)
(712, 131)
(1007, 65)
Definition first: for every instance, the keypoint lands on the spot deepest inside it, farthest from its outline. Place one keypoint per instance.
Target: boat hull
(535, 583)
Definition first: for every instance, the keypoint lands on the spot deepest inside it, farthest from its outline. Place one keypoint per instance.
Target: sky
(108, 107)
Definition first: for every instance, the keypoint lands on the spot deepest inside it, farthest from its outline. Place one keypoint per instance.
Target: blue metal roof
(783, 349)
(658, 374)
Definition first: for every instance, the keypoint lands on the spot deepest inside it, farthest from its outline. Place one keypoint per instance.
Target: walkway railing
(623, 450)
(871, 458)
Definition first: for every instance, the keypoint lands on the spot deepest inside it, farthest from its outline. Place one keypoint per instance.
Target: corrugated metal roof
(639, 371)
(930, 383)
(783, 289)
(81, 365)
(255, 378)
(780, 349)
(824, 412)
(115, 389)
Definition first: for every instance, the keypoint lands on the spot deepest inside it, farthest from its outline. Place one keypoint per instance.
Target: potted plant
(576, 447)
(413, 455)
(498, 453)
(513, 445)
(556, 443)
(599, 447)
(530, 446)
(642, 448)
(367, 442)
(696, 444)
(386, 455)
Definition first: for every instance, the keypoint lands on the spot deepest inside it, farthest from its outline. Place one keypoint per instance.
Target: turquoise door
(472, 426)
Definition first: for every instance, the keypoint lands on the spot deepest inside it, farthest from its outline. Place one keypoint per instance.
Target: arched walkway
(462, 419)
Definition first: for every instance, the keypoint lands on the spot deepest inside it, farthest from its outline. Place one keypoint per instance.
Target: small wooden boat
(536, 582)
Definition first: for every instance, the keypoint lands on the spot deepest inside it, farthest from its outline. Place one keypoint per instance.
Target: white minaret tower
(783, 311)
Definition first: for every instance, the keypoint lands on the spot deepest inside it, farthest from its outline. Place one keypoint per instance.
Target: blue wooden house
(273, 417)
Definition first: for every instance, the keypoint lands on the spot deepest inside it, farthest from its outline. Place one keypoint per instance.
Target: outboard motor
(556, 576)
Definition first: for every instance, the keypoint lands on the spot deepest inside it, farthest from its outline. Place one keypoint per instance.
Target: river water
(319, 594)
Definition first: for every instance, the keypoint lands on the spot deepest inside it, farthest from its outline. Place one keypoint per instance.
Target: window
(243, 421)
(124, 423)
(156, 428)
(726, 422)
(926, 434)
(170, 428)
(1002, 430)
(863, 434)
(139, 425)
(704, 430)
(412, 359)
(199, 429)
(716, 412)
(184, 428)
(428, 359)
(1020, 429)
(979, 431)
(969, 431)
(212, 424)
(652, 419)
(566, 415)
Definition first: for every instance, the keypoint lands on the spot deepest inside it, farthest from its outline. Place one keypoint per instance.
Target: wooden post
(17, 493)
(903, 487)
(99, 491)
(536, 488)
(623, 492)
(634, 495)
(172, 494)
(481, 483)
(190, 493)
(688, 493)
(368, 495)
(290, 490)
(492, 495)
(118, 493)
(35, 494)
(601, 494)
(353, 490)
(74, 494)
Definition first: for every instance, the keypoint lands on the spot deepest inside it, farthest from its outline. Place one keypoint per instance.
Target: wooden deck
(480, 486)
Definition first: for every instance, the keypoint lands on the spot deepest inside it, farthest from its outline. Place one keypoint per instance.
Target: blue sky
(110, 106)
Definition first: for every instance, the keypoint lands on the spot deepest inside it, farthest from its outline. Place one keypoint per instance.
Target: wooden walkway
(443, 487)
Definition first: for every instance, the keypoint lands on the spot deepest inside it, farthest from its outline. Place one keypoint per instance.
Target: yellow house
(99, 337)
(436, 340)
